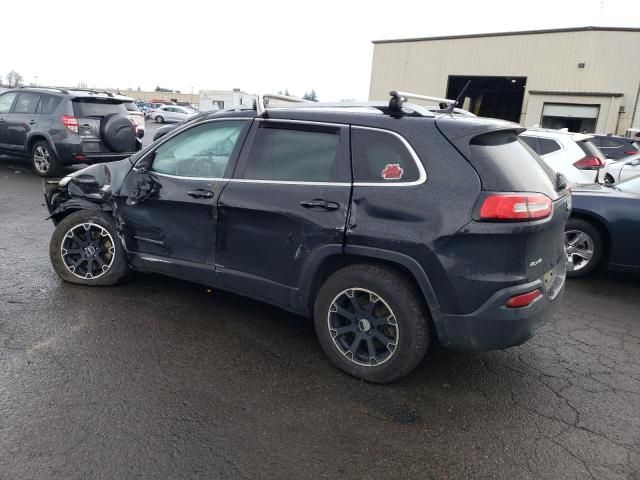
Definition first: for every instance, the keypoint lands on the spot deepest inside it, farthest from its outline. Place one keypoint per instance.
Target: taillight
(70, 122)
(523, 300)
(631, 152)
(516, 207)
(589, 163)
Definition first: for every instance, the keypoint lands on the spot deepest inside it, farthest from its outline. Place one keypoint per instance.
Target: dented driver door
(169, 201)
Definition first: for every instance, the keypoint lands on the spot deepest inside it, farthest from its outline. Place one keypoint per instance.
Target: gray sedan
(171, 114)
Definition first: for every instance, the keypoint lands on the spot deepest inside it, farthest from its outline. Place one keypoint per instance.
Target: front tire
(86, 250)
(372, 323)
(584, 247)
(44, 160)
(159, 119)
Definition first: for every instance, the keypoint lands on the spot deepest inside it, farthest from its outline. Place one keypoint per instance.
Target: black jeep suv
(391, 227)
(56, 127)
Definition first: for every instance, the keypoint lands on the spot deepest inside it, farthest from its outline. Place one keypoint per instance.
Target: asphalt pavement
(161, 378)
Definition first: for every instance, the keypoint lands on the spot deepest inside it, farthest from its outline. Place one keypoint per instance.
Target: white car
(621, 170)
(571, 154)
(171, 114)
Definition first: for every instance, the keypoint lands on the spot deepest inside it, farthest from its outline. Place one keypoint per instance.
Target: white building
(218, 99)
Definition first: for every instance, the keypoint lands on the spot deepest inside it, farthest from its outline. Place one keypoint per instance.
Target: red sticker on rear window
(392, 171)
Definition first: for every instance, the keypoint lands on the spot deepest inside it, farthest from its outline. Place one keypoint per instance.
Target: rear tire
(608, 179)
(44, 160)
(584, 247)
(366, 309)
(159, 119)
(85, 249)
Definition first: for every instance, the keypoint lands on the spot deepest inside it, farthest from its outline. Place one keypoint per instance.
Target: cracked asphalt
(160, 378)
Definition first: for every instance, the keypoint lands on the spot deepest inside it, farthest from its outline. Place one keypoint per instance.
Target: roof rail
(45, 87)
(263, 100)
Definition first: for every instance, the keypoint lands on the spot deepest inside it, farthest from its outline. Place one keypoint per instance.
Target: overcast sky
(259, 46)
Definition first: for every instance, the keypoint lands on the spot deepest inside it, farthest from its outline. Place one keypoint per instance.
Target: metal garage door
(570, 110)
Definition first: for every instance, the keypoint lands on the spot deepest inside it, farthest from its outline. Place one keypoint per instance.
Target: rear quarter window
(505, 163)
(48, 104)
(94, 107)
(381, 157)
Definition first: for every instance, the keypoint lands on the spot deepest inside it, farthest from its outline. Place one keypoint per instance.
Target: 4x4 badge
(392, 171)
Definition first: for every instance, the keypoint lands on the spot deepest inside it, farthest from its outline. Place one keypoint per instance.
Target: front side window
(293, 154)
(26, 103)
(201, 151)
(6, 101)
(381, 157)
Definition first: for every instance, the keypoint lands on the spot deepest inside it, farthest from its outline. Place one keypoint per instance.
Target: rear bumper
(74, 153)
(494, 326)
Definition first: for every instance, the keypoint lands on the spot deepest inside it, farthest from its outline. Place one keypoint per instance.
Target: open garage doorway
(495, 97)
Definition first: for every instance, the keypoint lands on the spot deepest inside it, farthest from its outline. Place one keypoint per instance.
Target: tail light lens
(631, 152)
(523, 300)
(516, 207)
(589, 163)
(70, 122)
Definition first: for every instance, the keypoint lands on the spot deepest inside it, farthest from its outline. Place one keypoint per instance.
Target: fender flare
(75, 204)
(416, 270)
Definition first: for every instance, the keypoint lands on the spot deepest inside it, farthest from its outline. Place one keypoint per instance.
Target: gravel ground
(161, 378)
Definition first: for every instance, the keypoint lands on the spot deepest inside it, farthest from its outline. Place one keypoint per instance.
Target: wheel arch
(330, 260)
(74, 205)
(39, 137)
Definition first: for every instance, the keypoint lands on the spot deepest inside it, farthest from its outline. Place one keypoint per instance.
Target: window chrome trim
(422, 177)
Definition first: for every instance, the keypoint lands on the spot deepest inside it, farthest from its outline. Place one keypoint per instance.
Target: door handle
(32, 122)
(199, 193)
(320, 204)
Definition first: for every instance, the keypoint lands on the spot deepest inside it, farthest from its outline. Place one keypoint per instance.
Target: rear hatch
(89, 113)
(522, 210)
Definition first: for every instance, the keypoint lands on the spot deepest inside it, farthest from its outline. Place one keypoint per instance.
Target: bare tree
(14, 79)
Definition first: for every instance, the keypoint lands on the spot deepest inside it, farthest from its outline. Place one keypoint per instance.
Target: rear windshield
(590, 149)
(97, 107)
(506, 163)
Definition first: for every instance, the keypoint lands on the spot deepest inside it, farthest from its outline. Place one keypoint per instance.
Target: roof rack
(397, 105)
(263, 100)
(398, 98)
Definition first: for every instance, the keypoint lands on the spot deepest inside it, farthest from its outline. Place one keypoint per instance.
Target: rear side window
(381, 157)
(505, 163)
(26, 103)
(48, 104)
(532, 142)
(285, 154)
(548, 145)
(94, 107)
(6, 101)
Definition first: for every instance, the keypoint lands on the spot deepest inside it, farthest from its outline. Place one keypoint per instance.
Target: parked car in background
(622, 170)
(604, 228)
(615, 147)
(321, 211)
(137, 116)
(162, 131)
(567, 153)
(171, 114)
(56, 126)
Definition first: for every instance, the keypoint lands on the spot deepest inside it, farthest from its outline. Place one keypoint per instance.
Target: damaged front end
(88, 189)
